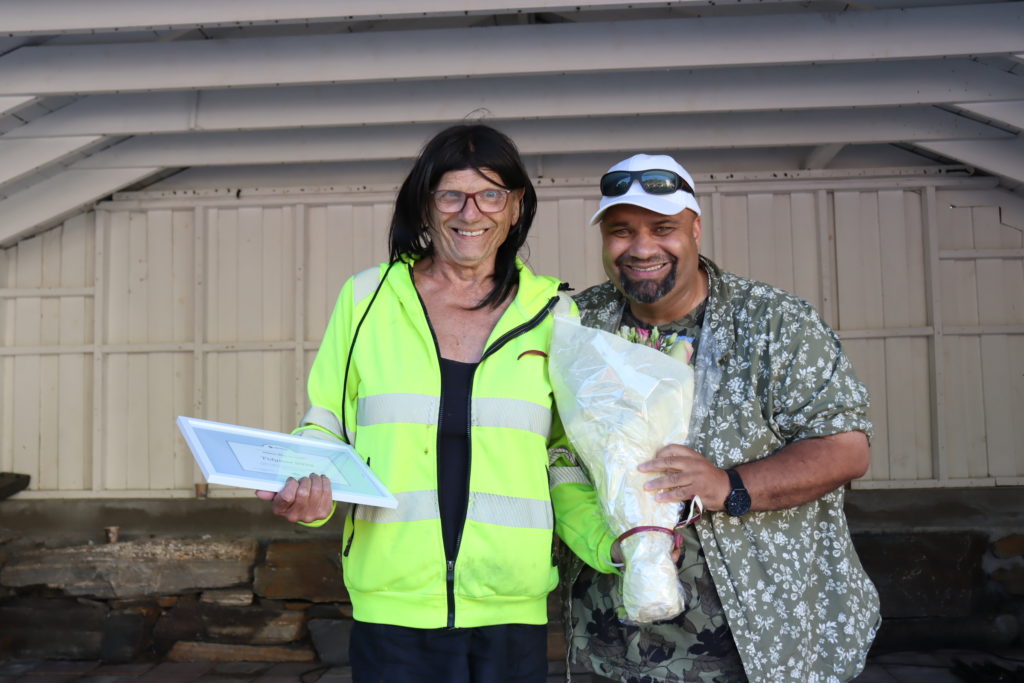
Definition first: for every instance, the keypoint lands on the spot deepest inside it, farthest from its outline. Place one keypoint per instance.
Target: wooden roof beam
(19, 158)
(1010, 113)
(27, 17)
(508, 50)
(51, 201)
(10, 105)
(680, 91)
(821, 156)
(552, 136)
(999, 157)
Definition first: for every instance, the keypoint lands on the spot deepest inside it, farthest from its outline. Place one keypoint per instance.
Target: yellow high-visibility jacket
(393, 561)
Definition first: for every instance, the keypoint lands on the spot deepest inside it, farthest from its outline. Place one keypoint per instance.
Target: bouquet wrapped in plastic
(620, 402)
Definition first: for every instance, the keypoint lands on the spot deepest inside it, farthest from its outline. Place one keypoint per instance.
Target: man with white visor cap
(774, 588)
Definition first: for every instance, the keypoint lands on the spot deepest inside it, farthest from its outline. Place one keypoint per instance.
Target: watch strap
(735, 481)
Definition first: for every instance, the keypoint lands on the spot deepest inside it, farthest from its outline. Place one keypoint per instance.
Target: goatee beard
(647, 291)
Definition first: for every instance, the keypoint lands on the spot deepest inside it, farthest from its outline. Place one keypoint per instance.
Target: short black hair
(458, 148)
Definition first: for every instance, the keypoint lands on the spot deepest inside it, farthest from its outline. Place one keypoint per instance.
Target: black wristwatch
(737, 503)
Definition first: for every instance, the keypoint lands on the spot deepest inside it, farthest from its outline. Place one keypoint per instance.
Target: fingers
(669, 481)
(677, 474)
(304, 500)
(284, 498)
(675, 494)
(672, 457)
(326, 500)
(319, 502)
(682, 474)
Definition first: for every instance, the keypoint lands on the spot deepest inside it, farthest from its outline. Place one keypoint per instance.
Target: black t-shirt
(453, 453)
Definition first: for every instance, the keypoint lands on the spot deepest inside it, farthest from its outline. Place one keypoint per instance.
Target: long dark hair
(459, 148)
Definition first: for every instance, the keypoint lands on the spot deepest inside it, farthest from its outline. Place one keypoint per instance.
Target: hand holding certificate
(264, 460)
(306, 499)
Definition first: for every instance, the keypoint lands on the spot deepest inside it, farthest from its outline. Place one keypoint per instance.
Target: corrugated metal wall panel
(732, 235)
(1002, 412)
(252, 388)
(858, 266)
(868, 358)
(907, 389)
(250, 274)
(807, 272)
(340, 240)
(769, 237)
(563, 243)
(44, 405)
(216, 311)
(982, 295)
(964, 428)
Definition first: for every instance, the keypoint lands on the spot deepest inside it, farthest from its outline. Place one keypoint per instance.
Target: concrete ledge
(994, 511)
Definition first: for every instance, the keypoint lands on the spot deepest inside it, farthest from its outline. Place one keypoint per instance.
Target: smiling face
(470, 238)
(653, 260)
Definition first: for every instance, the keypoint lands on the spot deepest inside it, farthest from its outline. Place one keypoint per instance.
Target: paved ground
(944, 666)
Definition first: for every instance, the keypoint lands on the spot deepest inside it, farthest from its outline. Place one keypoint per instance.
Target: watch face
(738, 502)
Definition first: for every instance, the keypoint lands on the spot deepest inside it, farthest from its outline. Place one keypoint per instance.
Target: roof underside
(105, 95)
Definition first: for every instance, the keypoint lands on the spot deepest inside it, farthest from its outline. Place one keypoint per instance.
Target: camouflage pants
(694, 647)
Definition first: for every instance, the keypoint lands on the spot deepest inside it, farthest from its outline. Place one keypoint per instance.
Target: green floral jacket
(769, 372)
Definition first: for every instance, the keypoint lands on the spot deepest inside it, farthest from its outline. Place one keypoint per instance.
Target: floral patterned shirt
(799, 606)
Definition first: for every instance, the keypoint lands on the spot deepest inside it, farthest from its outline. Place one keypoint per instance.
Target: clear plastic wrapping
(620, 402)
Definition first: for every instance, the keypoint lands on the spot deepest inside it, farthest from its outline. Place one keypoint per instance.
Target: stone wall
(197, 580)
(225, 580)
(179, 599)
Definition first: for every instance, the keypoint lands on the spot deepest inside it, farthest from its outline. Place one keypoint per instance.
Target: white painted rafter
(822, 155)
(1010, 113)
(681, 91)
(9, 105)
(136, 158)
(51, 200)
(21, 157)
(71, 16)
(1001, 157)
(507, 50)
(761, 129)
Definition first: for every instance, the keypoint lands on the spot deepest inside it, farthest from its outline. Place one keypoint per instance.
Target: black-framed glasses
(454, 201)
(653, 181)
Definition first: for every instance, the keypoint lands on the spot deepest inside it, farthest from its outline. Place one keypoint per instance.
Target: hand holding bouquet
(620, 402)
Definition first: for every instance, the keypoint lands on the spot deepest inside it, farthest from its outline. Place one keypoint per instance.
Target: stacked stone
(181, 600)
(943, 590)
(184, 600)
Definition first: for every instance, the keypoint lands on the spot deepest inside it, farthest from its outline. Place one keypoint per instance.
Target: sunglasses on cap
(653, 181)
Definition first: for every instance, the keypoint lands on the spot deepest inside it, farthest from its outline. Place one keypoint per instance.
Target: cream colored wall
(155, 306)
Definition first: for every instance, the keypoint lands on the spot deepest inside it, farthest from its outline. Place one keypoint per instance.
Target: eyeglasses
(653, 181)
(453, 201)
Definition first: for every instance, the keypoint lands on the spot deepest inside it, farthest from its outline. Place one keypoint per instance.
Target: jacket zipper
(498, 343)
(449, 573)
(352, 533)
(469, 476)
(352, 523)
(521, 329)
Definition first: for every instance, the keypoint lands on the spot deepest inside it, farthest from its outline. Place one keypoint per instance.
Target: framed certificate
(259, 459)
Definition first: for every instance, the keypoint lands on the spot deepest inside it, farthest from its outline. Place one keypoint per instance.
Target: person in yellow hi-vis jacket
(434, 367)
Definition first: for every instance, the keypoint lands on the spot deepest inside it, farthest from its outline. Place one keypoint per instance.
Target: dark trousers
(508, 653)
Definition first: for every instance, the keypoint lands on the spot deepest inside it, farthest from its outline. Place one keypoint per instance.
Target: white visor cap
(666, 204)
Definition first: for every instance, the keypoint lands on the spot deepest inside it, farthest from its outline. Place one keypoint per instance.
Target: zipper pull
(451, 570)
(352, 534)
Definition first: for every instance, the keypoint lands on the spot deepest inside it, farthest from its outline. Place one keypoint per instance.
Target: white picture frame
(259, 459)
